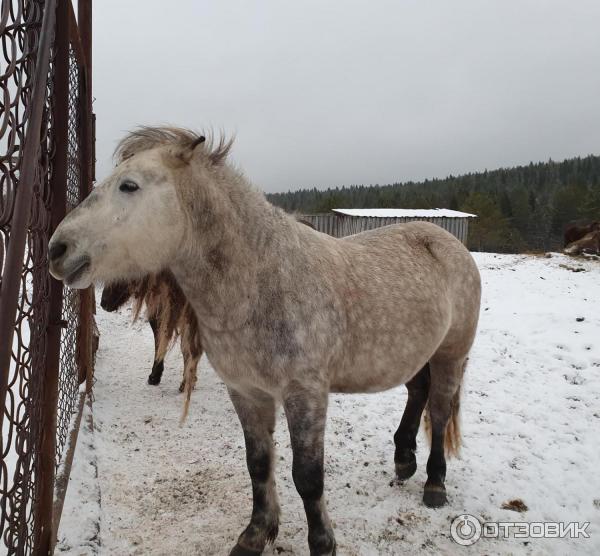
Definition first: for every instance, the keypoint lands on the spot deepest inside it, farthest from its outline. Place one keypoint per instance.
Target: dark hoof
(405, 471)
(182, 386)
(332, 553)
(323, 546)
(434, 496)
(241, 551)
(153, 380)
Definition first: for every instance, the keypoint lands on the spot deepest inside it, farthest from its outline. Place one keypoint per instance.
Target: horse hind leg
(405, 438)
(443, 418)
(158, 366)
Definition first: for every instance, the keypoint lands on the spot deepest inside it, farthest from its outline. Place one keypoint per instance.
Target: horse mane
(164, 301)
(145, 138)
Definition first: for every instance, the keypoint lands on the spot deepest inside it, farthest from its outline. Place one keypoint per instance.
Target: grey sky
(325, 93)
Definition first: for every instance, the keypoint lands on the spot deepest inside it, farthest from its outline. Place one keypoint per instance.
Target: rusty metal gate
(46, 331)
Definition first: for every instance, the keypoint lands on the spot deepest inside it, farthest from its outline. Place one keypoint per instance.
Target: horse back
(408, 289)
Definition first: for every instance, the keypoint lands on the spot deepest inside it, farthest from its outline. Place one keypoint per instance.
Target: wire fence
(68, 373)
(46, 163)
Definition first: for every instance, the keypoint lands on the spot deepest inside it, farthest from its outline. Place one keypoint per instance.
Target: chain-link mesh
(68, 375)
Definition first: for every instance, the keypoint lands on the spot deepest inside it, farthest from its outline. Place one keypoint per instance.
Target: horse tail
(452, 437)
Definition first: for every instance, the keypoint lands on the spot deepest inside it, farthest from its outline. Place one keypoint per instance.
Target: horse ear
(197, 142)
(188, 152)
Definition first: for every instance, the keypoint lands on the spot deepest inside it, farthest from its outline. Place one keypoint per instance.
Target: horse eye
(128, 187)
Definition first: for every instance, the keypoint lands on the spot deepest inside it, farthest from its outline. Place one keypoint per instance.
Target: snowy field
(531, 421)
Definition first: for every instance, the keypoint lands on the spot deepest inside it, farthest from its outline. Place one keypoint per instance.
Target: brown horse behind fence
(590, 243)
(575, 233)
(169, 315)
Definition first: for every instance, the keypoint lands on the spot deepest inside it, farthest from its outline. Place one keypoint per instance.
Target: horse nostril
(56, 250)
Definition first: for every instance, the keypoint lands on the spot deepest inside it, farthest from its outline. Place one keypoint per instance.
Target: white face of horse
(129, 226)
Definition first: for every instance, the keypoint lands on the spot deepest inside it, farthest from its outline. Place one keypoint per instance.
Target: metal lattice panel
(20, 35)
(27, 35)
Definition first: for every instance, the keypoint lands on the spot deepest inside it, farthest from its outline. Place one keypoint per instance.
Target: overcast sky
(324, 93)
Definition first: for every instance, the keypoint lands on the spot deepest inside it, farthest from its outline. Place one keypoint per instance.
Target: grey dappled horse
(286, 314)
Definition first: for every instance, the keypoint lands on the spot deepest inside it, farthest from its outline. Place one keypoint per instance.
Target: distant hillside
(522, 208)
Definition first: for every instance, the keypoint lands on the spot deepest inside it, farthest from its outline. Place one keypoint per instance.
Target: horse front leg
(306, 413)
(257, 417)
(159, 358)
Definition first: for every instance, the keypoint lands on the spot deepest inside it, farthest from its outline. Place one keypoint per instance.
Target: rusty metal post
(85, 355)
(43, 520)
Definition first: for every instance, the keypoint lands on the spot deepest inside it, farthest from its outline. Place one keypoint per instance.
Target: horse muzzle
(70, 267)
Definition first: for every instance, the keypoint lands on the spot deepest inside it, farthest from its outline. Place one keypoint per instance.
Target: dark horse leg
(406, 435)
(306, 412)
(257, 417)
(159, 363)
(444, 398)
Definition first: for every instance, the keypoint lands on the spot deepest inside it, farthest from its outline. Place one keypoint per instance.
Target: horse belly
(387, 364)
(358, 381)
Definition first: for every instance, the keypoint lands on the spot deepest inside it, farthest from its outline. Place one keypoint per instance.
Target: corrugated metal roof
(404, 213)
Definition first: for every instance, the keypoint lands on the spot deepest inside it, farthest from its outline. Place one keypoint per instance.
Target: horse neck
(231, 232)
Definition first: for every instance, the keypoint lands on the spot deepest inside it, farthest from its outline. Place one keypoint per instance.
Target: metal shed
(345, 222)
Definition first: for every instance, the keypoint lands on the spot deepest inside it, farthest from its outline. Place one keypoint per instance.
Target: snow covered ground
(531, 421)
